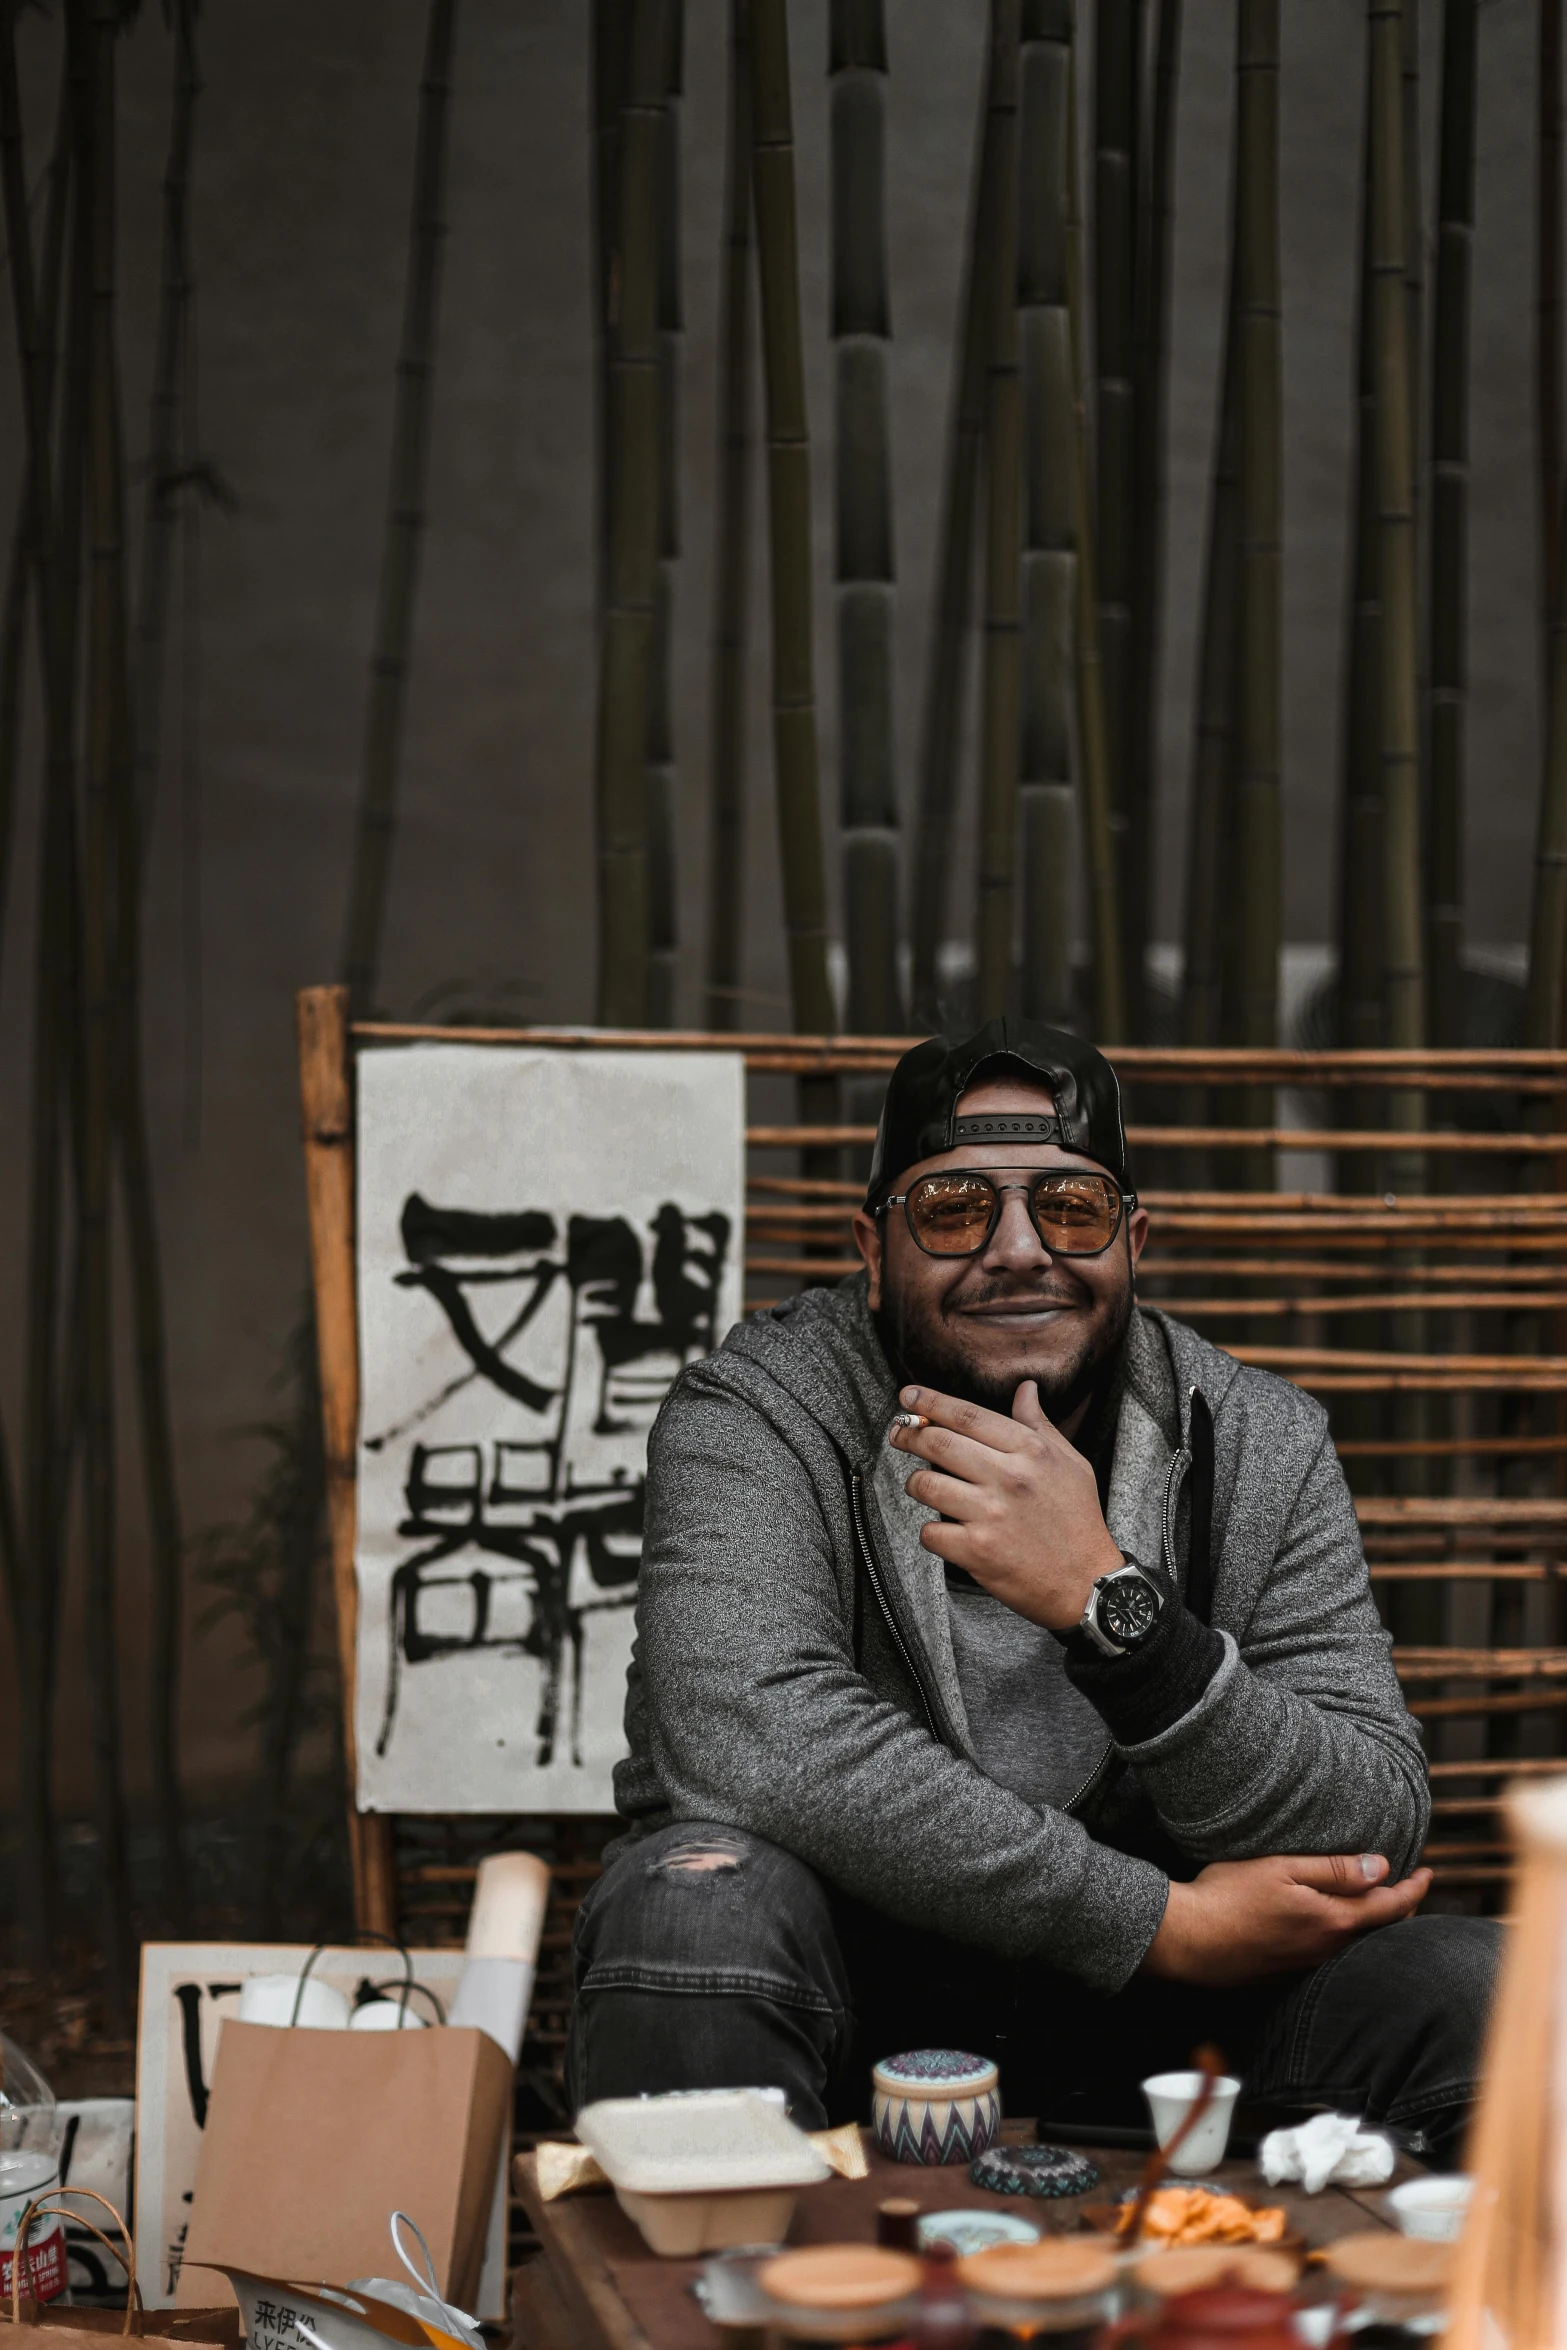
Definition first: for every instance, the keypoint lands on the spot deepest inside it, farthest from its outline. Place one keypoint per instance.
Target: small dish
(974, 2231)
(1432, 2209)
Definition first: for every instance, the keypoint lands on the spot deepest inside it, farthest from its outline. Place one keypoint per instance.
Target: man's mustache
(1000, 1290)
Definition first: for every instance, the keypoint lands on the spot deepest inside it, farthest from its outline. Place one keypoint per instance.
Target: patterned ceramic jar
(935, 2105)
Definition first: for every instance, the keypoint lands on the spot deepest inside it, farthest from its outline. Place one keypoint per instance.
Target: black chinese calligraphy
(524, 1473)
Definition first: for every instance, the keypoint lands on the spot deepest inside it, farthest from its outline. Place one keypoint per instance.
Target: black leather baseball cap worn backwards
(919, 1118)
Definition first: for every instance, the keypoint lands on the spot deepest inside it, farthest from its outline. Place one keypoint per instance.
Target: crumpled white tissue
(1330, 2147)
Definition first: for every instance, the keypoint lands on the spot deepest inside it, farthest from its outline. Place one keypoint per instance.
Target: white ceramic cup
(1433, 2208)
(269, 1999)
(1171, 2097)
(386, 2015)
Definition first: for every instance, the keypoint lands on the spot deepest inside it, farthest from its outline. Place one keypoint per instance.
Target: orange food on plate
(1195, 2215)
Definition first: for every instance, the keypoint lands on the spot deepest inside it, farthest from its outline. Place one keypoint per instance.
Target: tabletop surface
(604, 2290)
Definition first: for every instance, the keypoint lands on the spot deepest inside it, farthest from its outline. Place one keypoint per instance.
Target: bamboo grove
(1034, 755)
(1042, 673)
(100, 661)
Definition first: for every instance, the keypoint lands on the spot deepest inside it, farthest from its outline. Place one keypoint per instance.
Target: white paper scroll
(545, 1239)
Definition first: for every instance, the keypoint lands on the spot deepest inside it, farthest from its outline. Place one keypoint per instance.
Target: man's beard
(927, 1349)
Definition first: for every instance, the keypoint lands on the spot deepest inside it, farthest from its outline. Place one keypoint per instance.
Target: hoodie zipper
(873, 1577)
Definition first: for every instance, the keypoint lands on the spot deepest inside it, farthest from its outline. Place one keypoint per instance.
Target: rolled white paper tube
(509, 1897)
(385, 2015)
(270, 1999)
(493, 1995)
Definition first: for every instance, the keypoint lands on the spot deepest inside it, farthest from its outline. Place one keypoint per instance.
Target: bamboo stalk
(945, 666)
(1050, 557)
(381, 756)
(663, 786)
(632, 521)
(1360, 1009)
(1097, 806)
(1150, 365)
(1543, 993)
(610, 51)
(1259, 844)
(1000, 713)
(1401, 905)
(104, 655)
(25, 562)
(1548, 306)
(789, 515)
(1117, 48)
(160, 512)
(1209, 911)
(865, 565)
(731, 563)
(53, 1022)
(1450, 520)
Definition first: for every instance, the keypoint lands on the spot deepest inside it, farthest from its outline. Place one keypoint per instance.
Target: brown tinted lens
(1076, 1214)
(950, 1214)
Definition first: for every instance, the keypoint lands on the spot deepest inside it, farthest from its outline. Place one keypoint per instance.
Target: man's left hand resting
(1022, 1501)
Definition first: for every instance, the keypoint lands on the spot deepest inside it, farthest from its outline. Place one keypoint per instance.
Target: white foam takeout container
(701, 2170)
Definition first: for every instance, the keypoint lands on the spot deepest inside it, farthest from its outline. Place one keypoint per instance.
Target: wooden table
(596, 2286)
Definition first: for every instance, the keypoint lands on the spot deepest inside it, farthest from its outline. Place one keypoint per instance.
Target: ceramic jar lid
(1380, 2263)
(935, 2072)
(1055, 2270)
(839, 2276)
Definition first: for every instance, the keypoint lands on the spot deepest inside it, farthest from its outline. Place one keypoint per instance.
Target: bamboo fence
(1272, 1276)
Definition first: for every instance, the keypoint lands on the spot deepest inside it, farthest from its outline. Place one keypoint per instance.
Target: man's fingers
(960, 1456)
(1350, 1874)
(1384, 1905)
(949, 1495)
(1027, 1409)
(969, 1419)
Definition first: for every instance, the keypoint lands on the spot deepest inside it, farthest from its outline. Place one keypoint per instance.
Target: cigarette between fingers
(909, 1420)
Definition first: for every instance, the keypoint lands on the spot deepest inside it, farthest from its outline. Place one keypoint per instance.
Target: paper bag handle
(366, 1934)
(49, 2206)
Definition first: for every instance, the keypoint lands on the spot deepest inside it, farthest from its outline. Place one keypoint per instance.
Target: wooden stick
(327, 1110)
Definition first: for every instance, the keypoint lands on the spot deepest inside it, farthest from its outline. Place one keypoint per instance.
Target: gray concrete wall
(301, 201)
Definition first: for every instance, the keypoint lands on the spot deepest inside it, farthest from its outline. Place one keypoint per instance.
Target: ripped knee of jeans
(699, 1857)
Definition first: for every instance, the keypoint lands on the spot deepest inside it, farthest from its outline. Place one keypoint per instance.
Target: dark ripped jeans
(708, 1958)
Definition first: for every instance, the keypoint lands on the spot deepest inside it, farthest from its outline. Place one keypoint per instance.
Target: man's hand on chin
(1243, 1918)
(1022, 1503)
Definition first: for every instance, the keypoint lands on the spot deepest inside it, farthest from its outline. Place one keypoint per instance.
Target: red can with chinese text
(25, 2175)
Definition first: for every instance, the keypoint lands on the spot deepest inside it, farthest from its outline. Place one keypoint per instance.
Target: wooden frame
(1302, 1254)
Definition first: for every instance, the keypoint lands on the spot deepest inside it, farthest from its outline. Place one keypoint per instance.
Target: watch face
(1128, 1608)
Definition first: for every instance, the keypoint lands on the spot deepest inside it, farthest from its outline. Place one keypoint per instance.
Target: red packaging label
(46, 2264)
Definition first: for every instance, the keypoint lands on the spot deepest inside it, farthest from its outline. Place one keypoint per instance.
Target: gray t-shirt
(1032, 1731)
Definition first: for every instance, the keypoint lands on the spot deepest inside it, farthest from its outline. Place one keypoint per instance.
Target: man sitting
(1008, 1677)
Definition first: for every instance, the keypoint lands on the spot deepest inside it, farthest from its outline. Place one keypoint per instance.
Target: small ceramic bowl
(1433, 2208)
(935, 2105)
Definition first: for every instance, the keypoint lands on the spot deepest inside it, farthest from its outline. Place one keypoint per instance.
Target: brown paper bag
(314, 2139)
(91, 2329)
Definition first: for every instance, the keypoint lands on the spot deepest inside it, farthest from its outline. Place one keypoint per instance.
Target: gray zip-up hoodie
(794, 1672)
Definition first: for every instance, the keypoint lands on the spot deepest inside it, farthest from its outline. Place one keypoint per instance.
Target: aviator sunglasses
(955, 1214)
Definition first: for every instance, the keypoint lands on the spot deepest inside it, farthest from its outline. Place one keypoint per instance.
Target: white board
(187, 1990)
(545, 1239)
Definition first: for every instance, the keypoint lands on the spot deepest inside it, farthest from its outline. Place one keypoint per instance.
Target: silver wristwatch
(1123, 1609)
